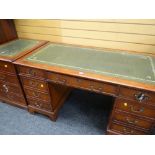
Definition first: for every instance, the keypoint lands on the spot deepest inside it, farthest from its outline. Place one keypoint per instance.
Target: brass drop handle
(32, 72)
(37, 105)
(128, 131)
(131, 121)
(5, 88)
(132, 108)
(98, 89)
(36, 94)
(141, 96)
(62, 81)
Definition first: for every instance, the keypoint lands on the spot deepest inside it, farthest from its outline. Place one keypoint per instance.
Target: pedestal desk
(50, 72)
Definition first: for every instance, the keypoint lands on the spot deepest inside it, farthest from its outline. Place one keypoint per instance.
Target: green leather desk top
(15, 47)
(116, 64)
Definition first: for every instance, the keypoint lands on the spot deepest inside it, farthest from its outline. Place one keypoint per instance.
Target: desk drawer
(40, 104)
(135, 108)
(35, 84)
(125, 130)
(7, 67)
(9, 78)
(7, 88)
(37, 94)
(31, 72)
(132, 120)
(138, 95)
(13, 97)
(91, 85)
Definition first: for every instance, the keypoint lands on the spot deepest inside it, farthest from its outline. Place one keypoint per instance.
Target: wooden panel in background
(132, 35)
(7, 30)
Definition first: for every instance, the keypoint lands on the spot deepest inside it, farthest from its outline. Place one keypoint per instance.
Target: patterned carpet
(83, 113)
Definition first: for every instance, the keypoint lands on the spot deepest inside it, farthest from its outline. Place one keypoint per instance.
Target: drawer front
(13, 97)
(132, 120)
(36, 94)
(9, 78)
(138, 95)
(125, 130)
(135, 108)
(35, 84)
(7, 67)
(99, 87)
(31, 72)
(40, 104)
(7, 88)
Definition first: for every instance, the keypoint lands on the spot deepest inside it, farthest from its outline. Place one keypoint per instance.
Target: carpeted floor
(83, 113)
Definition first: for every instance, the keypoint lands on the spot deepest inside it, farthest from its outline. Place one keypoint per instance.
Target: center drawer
(135, 108)
(35, 84)
(37, 94)
(91, 85)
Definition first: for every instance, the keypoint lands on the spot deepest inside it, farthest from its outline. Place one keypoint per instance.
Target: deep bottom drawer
(125, 130)
(132, 120)
(13, 98)
(40, 104)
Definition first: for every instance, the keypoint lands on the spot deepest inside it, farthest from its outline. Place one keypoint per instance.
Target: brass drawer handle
(99, 89)
(128, 131)
(6, 89)
(61, 81)
(141, 96)
(136, 111)
(38, 105)
(131, 121)
(32, 72)
(35, 94)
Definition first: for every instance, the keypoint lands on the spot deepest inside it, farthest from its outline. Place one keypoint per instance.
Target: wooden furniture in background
(10, 87)
(7, 30)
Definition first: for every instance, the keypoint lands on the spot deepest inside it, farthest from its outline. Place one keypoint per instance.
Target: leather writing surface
(16, 47)
(118, 64)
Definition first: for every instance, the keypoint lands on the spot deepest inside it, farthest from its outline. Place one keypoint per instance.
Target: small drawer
(125, 130)
(7, 88)
(138, 95)
(91, 85)
(7, 67)
(36, 94)
(35, 84)
(32, 72)
(135, 108)
(9, 78)
(132, 120)
(40, 104)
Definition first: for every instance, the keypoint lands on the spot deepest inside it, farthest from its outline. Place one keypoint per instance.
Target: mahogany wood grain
(7, 30)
